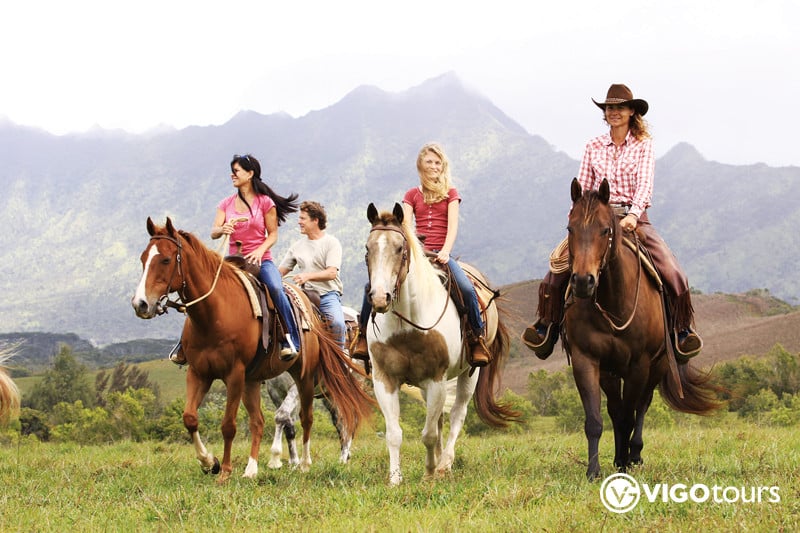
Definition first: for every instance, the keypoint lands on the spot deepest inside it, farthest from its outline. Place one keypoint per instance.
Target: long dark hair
(283, 205)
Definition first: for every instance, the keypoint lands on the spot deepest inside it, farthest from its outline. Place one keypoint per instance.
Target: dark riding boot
(541, 339)
(359, 350)
(479, 354)
(176, 355)
(687, 345)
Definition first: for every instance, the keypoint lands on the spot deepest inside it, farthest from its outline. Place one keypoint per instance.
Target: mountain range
(74, 206)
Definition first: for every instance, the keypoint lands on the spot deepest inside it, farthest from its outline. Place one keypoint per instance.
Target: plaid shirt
(629, 170)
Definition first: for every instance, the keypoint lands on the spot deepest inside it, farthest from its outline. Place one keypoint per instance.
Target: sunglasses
(245, 156)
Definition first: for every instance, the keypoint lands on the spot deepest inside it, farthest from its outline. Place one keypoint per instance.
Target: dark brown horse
(222, 340)
(614, 331)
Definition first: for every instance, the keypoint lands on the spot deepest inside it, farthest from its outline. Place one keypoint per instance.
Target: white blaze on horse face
(141, 290)
(380, 274)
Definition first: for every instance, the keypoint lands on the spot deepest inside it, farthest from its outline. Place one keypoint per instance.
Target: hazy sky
(722, 75)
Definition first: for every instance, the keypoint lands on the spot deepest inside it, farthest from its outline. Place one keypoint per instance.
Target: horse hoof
(214, 469)
(223, 478)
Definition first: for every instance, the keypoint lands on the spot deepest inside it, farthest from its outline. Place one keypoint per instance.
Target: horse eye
(605, 231)
(569, 229)
(165, 261)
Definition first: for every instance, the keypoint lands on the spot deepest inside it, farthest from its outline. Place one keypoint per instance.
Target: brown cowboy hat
(619, 94)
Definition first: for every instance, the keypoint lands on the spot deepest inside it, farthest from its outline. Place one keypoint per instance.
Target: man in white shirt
(316, 261)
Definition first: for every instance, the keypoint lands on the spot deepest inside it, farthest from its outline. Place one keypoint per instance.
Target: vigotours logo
(620, 493)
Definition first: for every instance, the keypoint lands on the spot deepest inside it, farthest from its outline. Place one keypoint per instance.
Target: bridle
(603, 264)
(164, 302)
(401, 276)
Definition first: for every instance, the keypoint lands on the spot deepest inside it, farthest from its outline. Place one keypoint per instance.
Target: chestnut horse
(614, 332)
(415, 338)
(222, 340)
(9, 394)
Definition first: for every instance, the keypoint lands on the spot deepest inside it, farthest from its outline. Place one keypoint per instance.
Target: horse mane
(429, 278)
(591, 204)
(209, 256)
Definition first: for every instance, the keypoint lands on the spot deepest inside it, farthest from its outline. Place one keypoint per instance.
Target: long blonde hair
(434, 191)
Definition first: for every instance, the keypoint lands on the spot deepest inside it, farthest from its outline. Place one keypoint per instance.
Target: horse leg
(587, 378)
(637, 442)
(345, 440)
(196, 390)
(389, 403)
(306, 394)
(612, 386)
(635, 400)
(252, 402)
(465, 388)
(235, 386)
(284, 426)
(435, 394)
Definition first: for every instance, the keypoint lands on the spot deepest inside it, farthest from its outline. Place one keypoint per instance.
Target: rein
(404, 262)
(179, 304)
(603, 264)
(603, 312)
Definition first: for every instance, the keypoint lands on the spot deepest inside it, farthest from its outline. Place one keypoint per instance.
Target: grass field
(524, 482)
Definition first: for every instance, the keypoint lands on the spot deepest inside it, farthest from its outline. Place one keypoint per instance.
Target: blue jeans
(271, 277)
(469, 295)
(467, 292)
(330, 305)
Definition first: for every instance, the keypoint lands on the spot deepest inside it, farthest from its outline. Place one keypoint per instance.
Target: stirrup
(288, 351)
(357, 351)
(176, 355)
(687, 347)
(542, 346)
(479, 354)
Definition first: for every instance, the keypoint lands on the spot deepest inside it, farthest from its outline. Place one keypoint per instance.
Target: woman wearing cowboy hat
(623, 156)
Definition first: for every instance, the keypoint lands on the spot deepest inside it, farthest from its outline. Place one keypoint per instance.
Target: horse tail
(489, 410)
(342, 382)
(9, 394)
(699, 393)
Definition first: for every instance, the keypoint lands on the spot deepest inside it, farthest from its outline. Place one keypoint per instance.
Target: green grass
(531, 481)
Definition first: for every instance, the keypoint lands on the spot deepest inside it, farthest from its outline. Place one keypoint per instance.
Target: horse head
(387, 256)
(162, 272)
(591, 230)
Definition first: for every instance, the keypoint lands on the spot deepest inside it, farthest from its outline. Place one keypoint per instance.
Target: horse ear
(398, 212)
(575, 190)
(604, 191)
(151, 228)
(170, 227)
(372, 213)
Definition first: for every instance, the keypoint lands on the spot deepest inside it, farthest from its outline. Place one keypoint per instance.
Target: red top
(431, 219)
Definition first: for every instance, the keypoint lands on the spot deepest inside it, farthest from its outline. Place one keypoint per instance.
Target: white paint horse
(283, 393)
(416, 338)
(282, 390)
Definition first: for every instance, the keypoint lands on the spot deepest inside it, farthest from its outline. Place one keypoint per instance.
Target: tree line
(122, 403)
